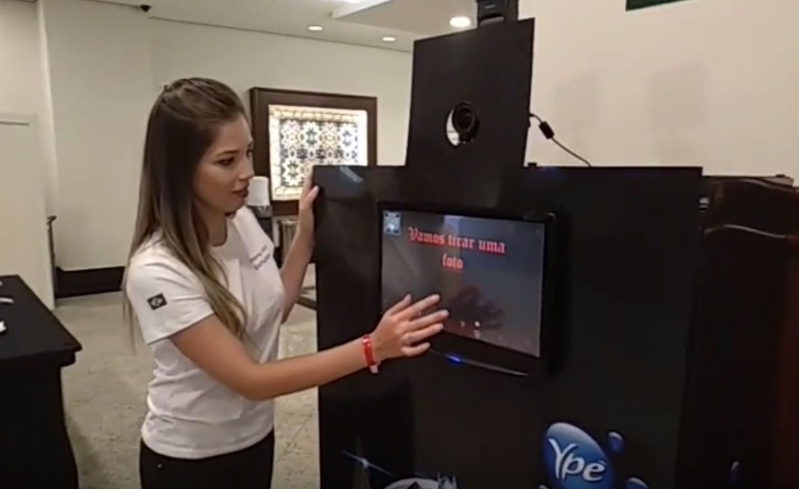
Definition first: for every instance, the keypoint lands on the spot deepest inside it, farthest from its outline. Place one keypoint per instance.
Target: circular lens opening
(463, 124)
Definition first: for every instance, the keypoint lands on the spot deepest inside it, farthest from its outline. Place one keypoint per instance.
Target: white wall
(101, 85)
(20, 69)
(22, 79)
(701, 82)
(250, 59)
(45, 117)
(23, 242)
(107, 63)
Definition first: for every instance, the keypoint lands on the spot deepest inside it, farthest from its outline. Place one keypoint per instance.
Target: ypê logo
(574, 460)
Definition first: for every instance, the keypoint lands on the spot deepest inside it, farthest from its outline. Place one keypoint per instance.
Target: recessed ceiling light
(389, 39)
(460, 22)
(315, 28)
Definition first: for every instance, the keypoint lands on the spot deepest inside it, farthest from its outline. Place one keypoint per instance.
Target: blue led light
(454, 359)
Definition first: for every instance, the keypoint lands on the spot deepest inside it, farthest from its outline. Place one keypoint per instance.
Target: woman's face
(224, 173)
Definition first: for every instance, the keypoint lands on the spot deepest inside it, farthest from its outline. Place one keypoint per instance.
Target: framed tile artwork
(300, 137)
(294, 131)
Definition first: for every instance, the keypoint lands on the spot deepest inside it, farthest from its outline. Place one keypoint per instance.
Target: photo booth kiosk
(611, 328)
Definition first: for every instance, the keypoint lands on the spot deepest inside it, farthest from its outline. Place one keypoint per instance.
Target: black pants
(250, 468)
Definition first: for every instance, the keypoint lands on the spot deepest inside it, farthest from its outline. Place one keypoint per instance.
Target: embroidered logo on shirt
(157, 301)
(261, 257)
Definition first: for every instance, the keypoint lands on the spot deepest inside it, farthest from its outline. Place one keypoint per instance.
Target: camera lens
(465, 122)
(463, 119)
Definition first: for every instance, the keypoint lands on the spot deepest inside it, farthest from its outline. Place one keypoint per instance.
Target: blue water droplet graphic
(574, 460)
(616, 442)
(635, 483)
(735, 474)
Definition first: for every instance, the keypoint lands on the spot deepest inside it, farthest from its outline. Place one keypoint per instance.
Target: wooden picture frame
(262, 100)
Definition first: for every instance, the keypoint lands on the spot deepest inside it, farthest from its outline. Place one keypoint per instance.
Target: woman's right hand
(403, 330)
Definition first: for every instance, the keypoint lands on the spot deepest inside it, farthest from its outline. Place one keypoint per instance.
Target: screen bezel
(461, 349)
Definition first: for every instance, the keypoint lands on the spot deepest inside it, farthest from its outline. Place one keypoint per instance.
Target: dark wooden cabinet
(786, 426)
(35, 450)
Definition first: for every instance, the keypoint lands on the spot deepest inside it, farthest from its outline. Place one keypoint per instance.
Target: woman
(209, 300)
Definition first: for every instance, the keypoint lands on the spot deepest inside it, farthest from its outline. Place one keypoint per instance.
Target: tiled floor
(105, 398)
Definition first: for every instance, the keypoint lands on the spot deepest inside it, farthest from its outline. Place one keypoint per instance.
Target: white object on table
(258, 195)
(3, 328)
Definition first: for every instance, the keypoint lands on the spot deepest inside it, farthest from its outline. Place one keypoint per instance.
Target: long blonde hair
(183, 124)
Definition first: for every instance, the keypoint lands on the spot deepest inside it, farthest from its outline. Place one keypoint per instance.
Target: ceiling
(361, 22)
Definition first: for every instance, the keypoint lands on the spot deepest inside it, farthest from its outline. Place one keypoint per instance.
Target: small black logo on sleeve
(157, 301)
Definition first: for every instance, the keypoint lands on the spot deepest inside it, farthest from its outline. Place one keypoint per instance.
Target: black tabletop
(33, 332)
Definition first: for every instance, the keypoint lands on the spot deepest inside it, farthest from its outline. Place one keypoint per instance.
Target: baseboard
(307, 302)
(74, 283)
(304, 300)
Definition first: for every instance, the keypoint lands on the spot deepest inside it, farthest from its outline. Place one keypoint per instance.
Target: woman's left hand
(306, 217)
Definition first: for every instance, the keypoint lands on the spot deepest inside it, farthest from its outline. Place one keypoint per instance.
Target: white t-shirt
(191, 415)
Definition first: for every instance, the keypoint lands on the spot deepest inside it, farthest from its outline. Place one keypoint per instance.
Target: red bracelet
(369, 354)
